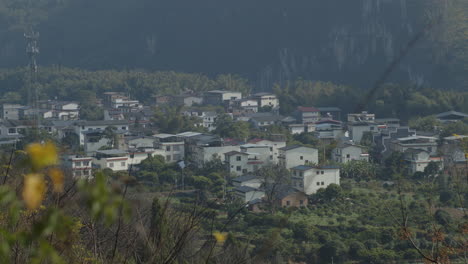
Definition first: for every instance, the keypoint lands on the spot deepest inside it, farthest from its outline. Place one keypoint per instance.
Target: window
(168, 148)
(86, 163)
(124, 128)
(12, 131)
(318, 183)
(238, 158)
(318, 172)
(176, 148)
(86, 173)
(111, 164)
(77, 173)
(271, 148)
(288, 203)
(244, 170)
(347, 156)
(323, 183)
(168, 158)
(122, 164)
(238, 168)
(301, 202)
(322, 172)
(271, 157)
(78, 164)
(301, 157)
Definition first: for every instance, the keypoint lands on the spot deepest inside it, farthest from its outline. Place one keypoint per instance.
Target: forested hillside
(267, 41)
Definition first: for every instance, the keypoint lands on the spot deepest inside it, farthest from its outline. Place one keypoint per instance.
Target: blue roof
(303, 167)
(244, 178)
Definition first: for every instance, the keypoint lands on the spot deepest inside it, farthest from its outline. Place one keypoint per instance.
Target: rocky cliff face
(266, 40)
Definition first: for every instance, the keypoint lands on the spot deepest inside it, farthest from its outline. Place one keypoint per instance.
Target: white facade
(247, 194)
(267, 99)
(293, 156)
(310, 179)
(348, 153)
(274, 148)
(357, 130)
(203, 154)
(81, 167)
(113, 163)
(81, 127)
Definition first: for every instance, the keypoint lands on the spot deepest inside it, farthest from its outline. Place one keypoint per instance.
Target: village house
(171, 147)
(274, 146)
(207, 118)
(251, 158)
(333, 113)
(80, 167)
(357, 129)
(364, 116)
(428, 144)
(451, 116)
(260, 120)
(287, 196)
(248, 180)
(82, 126)
(307, 114)
(245, 106)
(418, 159)
(218, 97)
(301, 128)
(188, 100)
(384, 137)
(328, 130)
(266, 100)
(247, 194)
(10, 111)
(347, 151)
(114, 159)
(309, 179)
(295, 155)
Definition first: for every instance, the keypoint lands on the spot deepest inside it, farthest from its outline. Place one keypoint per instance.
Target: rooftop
(244, 178)
(307, 109)
(245, 189)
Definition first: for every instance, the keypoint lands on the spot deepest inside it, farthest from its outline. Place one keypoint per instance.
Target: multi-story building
(428, 144)
(80, 167)
(266, 100)
(295, 155)
(346, 152)
(114, 159)
(307, 114)
(218, 97)
(309, 179)
(171, 147)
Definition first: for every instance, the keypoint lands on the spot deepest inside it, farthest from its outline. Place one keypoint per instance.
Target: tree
(359, 170)
(227, 127)
(273, 177)
(428, 123)
(333, 250)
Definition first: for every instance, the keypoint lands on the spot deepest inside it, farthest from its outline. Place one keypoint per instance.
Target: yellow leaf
(34, 190)
(56, 175)
(220, 237)
(42, 155)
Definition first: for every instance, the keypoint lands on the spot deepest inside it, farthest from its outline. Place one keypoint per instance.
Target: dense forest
(349, 42)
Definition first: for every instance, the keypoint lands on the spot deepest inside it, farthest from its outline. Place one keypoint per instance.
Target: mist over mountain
(267, 41)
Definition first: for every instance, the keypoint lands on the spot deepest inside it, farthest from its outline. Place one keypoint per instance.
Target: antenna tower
(32, 50)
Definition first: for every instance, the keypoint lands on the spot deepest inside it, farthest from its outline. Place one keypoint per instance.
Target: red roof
(307, 109)
(255, 140)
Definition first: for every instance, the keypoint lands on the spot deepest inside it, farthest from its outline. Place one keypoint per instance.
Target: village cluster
(126, 146)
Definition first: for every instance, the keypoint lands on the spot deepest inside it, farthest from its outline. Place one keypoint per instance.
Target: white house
(247, 194)
(266, 99)
(428, 144)
(248, 180)
(81, 167)
(274, 146)
(345, 152)
(292, 156)
(218, 97)
(114, 159)
(245, 161)
(357, 129)
(81, 126)
(418, 159)
(307, 114)
(170, 147)
(204, 154)
(309, 179)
